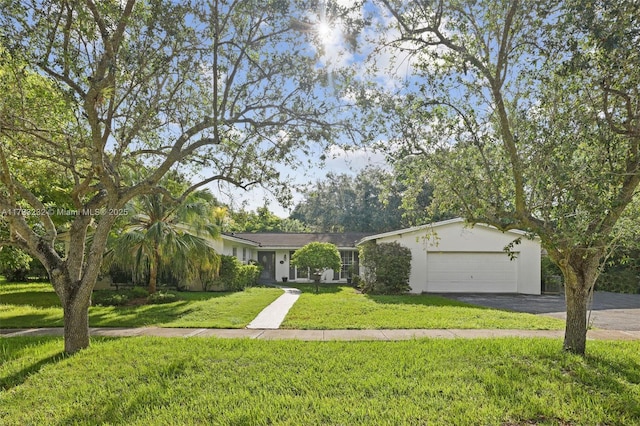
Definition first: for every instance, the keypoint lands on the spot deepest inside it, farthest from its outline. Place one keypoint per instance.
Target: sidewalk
(323, 335)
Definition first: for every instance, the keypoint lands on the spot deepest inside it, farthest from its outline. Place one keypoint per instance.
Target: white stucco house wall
(452, 257)
(273, 250)
(447, 257)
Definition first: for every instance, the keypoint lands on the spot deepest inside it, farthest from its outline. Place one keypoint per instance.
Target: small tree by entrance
(318, 257)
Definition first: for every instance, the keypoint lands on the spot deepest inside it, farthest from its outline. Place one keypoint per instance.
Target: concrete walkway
(324, 335)
(272, 316)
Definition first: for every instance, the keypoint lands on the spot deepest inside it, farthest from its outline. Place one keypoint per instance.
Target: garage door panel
(471, 272)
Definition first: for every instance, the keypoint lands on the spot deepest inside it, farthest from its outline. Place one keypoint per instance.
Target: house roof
(297, 240)
(431, 226)
(233, 237)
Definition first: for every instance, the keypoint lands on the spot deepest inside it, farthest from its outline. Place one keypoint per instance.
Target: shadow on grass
(32, 320)
(12, 348)
(138, 316)
(202, 295)
(322, 288)
(599, 374)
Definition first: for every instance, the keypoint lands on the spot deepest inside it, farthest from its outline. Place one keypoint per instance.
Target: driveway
(609, 311)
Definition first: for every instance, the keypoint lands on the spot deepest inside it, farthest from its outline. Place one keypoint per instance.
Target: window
(234, 252)
(349, 263)
(244, 254)
(294, 272)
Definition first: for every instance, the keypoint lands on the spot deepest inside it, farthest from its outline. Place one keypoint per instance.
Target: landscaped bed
(144, 381)
(342, 307)
(36, 305)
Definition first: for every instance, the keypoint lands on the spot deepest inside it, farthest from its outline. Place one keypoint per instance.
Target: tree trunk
(580, 271)
(76, 326)
(575, 335)
(153, 271)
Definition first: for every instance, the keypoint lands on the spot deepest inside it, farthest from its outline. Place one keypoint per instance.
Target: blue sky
(338, 161)
(336, 54)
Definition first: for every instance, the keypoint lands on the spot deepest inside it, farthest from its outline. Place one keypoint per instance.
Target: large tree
(261, 220)
(527, 115)
(371, 201)
(229, 86)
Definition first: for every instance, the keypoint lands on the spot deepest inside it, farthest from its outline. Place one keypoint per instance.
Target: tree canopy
(225, 89)
(526, 115)
(318, 257)
(375, 200)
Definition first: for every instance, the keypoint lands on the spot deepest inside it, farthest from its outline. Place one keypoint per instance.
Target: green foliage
(225, 90)
(235, 276)
(619, 279)
(318, 257)
(117, 297)
(109, 298)
(15, 264)
(550, 275)
(37, 270)
(525, 116)
(136, 292)
(372, 201)
(263, 220)
(229, 266)
(387, 267)
(248, 276)
(162, 297)
(165, 238)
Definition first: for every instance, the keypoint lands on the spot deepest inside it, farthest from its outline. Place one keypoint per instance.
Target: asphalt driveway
(609, 311)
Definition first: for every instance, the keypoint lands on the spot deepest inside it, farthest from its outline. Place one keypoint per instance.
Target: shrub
(228, 272)
(247, 276)
(356, 281)
(14, 264)
(619, 280)
(136, 292)
(161, 297)
(550, 275)
(109, 298)
(387, 268)
(117, 297)
(234, 276)
(37, 270)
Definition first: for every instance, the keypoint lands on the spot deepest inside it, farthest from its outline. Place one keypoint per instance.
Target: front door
(267, 260)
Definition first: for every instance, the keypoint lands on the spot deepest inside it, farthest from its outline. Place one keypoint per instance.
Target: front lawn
(142, 381)
(341, 307)
(37, 305)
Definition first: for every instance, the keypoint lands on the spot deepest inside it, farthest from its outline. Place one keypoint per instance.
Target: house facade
(447, 257)
(273, 251)
(452, 257)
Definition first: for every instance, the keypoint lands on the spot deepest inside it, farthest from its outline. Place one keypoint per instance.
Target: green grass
(143, 381)
(37, 305)
(341, 307)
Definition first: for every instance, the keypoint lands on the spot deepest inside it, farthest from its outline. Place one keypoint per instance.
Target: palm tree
(164, 234)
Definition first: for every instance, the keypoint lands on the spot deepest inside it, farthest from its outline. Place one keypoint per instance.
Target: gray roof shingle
(296, 240)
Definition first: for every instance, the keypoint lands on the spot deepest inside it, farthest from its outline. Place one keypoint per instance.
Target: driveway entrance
(609, 311)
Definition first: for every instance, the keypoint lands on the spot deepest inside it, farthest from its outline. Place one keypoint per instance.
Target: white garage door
(472, 273)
